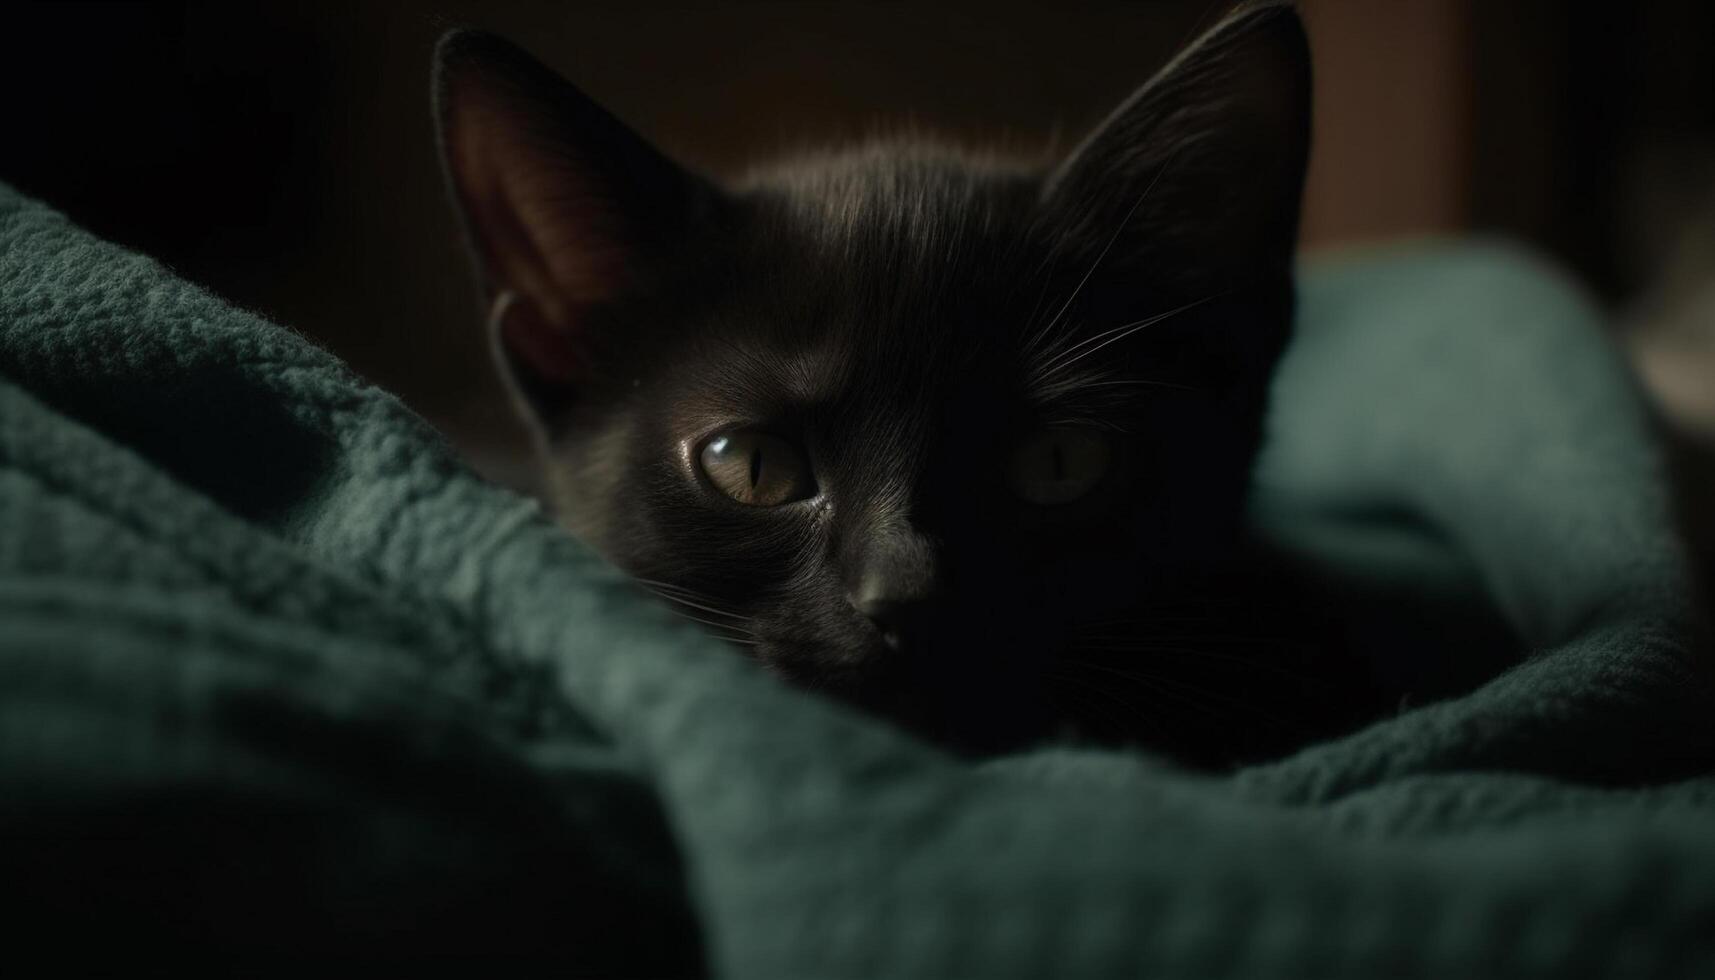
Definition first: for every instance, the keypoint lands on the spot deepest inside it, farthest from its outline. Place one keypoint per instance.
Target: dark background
(282, 154)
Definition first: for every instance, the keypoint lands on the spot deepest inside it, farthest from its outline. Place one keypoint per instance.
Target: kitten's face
(909, 427)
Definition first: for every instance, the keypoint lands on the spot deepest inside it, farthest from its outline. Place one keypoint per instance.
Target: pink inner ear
(546, 349)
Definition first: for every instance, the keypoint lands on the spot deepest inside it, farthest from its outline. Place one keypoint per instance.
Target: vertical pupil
(1059, 455)
(755, 467)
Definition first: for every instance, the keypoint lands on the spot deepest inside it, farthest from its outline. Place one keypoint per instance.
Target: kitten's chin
(865, 675)
(960, 713)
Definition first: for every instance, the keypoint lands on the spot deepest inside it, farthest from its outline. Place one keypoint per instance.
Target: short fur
(905, 314)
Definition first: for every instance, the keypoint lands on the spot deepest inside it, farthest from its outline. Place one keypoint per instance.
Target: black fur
(891, 309)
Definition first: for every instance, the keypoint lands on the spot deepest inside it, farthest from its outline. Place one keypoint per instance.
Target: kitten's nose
(896, 620)
(895, 585)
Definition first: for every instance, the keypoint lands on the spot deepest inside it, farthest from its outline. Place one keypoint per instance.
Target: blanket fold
(279, 676)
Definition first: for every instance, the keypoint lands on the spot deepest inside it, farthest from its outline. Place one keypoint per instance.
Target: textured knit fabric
(279, 677)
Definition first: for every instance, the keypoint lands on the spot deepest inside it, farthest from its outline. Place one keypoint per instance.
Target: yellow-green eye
(1058, 464)
(756, 468)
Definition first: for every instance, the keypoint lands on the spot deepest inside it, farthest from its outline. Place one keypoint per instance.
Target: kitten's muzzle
(896, 621)
(897, 583)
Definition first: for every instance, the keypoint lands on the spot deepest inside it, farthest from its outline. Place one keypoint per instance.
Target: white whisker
(1050, 325)
(678, 595)
(1084, 348)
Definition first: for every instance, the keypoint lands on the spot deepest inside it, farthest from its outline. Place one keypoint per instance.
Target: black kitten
(958, 440)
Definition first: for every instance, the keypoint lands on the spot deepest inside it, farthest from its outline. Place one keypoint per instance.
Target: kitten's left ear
(565, 208)
(1202, 168)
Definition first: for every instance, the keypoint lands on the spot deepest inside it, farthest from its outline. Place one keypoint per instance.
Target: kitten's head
(900, 421)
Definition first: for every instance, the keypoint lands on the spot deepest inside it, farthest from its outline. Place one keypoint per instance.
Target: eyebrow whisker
(1103, 254)
(1083, 349)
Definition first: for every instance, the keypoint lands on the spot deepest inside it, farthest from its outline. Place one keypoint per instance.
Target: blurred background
(282, 153)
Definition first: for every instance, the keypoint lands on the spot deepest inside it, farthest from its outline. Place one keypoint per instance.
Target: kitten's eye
(1058, 464)
(756, 468)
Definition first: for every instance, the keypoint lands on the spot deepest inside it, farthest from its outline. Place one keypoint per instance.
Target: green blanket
(280, 677)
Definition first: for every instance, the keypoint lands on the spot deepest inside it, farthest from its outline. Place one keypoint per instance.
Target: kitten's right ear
(1200, 173)
(564, 206)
